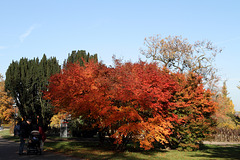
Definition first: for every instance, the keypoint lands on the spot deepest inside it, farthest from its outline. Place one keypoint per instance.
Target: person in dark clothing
(25, 130)
(17, 128)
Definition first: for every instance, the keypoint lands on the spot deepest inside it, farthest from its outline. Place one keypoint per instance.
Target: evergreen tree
(25, 81)
(225, 109)
(80, 57)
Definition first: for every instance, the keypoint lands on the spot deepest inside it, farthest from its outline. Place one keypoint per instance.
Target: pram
(33, 145)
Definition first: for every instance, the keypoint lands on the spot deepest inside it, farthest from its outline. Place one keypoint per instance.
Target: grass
(90, 149)
(6, 134)
(6, 125)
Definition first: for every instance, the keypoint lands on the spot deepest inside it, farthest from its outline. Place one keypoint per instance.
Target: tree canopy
(80, 57)
(25, 80)
(179, 55)
(135, 101)
(225, 110)
(6, 104)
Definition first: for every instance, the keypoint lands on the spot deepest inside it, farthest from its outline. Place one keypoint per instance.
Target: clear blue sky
(56, 27)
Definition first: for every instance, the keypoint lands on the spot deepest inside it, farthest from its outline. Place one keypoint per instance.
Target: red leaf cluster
(134, 100)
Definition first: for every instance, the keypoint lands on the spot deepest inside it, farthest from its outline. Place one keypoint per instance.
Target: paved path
(9, 151)
(221, 143)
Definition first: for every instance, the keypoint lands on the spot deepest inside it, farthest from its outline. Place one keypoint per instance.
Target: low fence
(226, 135)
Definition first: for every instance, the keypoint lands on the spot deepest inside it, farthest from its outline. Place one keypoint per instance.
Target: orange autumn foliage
(6, 103)
(142, 94)
(195, 109)
(133, 101)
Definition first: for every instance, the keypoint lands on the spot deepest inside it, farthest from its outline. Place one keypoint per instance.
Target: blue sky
(32, 28)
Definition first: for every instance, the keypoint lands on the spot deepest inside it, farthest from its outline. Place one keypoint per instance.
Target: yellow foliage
(6, 103)
(56, 119)
(225, 108)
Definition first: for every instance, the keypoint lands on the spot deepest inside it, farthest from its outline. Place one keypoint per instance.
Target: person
(17, 128)
(41, 131)
(25, 130)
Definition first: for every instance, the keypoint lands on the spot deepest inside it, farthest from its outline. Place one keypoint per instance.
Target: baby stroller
(33, 145)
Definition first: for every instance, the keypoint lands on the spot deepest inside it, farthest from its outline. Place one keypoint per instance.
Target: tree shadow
(216, 151)
(11, 138)
(92, 149)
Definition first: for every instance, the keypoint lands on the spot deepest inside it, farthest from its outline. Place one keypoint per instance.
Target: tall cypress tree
(25, 81)
(80, 57)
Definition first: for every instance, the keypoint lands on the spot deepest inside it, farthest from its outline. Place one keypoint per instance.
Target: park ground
(89, 148)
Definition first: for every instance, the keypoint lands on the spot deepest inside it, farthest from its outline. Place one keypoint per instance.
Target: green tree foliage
(236, 119)
(80, 57)
(25, 80)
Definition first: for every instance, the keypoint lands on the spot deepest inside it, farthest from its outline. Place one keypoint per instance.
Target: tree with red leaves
(195, 109)
(132, 101)
(142, 99)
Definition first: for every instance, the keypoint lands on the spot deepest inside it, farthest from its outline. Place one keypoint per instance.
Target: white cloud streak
(27, 33)
(2, 47)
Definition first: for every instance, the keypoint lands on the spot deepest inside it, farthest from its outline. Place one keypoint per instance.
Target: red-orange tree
(142, 99)
(133, 101)
(195, 109)
(130, 100)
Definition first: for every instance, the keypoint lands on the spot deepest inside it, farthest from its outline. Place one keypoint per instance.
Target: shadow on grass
(216, 151)
(11, 138)
(90, 149)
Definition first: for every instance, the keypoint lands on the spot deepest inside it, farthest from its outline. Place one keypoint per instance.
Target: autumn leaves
(6, 102)
(139, 101)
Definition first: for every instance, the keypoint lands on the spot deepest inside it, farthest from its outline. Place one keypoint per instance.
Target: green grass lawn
(88, 149)
(6, 134)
